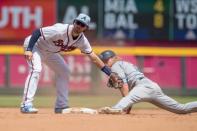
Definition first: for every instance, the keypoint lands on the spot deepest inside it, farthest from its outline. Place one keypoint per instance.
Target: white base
(80, 110)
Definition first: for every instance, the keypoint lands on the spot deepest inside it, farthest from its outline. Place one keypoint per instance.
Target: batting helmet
(105, 55)
(83, 18)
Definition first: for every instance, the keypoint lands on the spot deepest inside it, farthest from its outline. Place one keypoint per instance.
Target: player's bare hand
(128, 110)
(28, 55)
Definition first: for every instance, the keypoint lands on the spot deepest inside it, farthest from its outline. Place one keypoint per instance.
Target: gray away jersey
(127, 71)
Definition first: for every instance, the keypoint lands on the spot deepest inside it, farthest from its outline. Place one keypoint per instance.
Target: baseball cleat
(29, 110)
(60, 110)
(109, 110)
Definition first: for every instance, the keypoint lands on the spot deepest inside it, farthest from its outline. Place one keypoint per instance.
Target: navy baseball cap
(105, 55)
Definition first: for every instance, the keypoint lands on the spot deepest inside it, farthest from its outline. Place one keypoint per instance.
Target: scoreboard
(184, 20)
(149, 20)
(157, 20)
(171, 20)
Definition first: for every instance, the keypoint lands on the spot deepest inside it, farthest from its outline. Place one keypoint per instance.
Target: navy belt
(140, 78)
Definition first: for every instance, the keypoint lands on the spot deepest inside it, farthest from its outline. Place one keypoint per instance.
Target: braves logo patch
(60, 43)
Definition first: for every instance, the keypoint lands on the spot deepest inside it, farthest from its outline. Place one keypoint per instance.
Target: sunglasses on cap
(80, 23)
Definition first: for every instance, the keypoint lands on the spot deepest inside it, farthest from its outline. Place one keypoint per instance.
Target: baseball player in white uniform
(44, 45)
(138, 88)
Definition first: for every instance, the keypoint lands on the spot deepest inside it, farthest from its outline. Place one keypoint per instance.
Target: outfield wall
(172, 68)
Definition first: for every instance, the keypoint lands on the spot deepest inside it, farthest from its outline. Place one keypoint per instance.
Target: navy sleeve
(106, 70)
(34, 37)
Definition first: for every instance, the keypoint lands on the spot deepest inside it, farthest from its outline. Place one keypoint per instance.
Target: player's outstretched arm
(99, 63)
(96, 60)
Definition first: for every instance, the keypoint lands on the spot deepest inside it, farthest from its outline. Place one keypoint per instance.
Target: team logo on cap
(83, 18)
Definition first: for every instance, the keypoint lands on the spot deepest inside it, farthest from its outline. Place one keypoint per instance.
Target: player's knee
(181, 112)
(36, 75)
(38, 69)
(183, 109)
(64, 73)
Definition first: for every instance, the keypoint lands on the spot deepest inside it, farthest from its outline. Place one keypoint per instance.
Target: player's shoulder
(56, 27)
(117, 64)
(60, 26)
(122, 63)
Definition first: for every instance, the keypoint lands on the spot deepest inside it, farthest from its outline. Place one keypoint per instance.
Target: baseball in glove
(115, 81)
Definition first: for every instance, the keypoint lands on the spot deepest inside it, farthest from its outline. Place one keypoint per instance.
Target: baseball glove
(115, 81)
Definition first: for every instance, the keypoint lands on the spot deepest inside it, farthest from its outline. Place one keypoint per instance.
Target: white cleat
(109, 110)
(29, 110)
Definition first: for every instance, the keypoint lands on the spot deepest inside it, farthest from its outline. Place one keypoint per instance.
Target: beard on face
(76, 30)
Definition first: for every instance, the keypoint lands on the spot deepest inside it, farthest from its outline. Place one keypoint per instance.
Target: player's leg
(59, 66)
(163, 101)
(31, 83)
(137, 94)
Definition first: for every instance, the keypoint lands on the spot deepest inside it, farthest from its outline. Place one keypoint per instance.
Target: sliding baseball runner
(135, 87)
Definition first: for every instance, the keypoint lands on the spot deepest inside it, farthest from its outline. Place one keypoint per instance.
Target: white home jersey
(58, 38)
(53, 39)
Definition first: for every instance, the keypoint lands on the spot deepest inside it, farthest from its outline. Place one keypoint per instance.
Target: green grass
(80, 101)
(74, 101)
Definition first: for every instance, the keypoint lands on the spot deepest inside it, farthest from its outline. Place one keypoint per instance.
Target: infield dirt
(139, 120)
